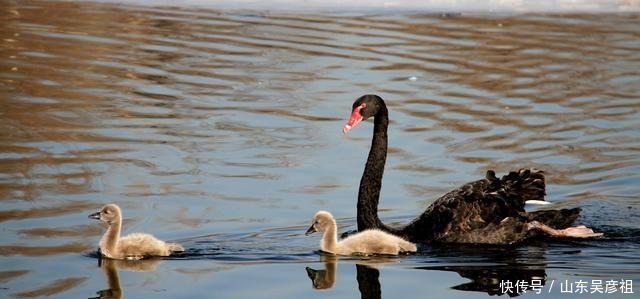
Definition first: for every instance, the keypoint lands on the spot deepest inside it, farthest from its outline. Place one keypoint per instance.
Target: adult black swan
(486, 211)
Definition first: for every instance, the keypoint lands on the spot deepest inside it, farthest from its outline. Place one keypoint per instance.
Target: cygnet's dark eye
(106, 211)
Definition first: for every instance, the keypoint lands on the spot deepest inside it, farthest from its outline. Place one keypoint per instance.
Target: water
(221, 129)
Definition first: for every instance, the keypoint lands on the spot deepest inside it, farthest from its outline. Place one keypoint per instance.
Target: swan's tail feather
(558, 219)
(523, 185)
(175, 247)
(537, 202)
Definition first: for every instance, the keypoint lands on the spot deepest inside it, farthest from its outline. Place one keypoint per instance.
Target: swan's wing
(523, 185)
(494, 199)
(477, 204)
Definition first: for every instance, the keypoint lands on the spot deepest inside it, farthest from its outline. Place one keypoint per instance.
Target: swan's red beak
(354, 119)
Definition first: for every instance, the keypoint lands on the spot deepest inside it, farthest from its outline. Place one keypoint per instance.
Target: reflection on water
(218, 129)
(367, 276)
(113, 281)
(111, 267)
(368, 282)
(499, 266)
(324, 278)
(56, 287)
(525, 266)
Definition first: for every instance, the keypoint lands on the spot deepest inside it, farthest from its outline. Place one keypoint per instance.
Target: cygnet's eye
(106, 211)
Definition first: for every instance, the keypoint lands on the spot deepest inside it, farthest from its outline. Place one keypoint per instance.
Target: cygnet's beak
(311, 230)
(95, 215)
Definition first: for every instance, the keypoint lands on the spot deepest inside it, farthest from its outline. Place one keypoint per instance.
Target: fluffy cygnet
(133, 246)
(371, 241)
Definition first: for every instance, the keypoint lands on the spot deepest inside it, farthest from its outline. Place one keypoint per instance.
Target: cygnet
(370, 241)
(133, 246)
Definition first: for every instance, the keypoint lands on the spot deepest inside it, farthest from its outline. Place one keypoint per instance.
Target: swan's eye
(106, 212)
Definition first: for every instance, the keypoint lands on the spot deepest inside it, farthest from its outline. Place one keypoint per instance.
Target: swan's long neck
(109, 241)
(330, 238)
(371, 181)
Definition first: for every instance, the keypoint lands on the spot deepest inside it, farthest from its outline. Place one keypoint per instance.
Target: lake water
(221, 130)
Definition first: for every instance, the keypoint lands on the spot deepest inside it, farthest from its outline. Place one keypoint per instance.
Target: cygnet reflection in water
(367, 277)
(501, 264)
(366, 242)
(134, 246)
(110, 268)
(324, 278)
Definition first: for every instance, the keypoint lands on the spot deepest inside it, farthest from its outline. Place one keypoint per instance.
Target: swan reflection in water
(500, 265)
(110, 268)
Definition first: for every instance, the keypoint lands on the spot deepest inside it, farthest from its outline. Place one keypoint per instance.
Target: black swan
(486, 211)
